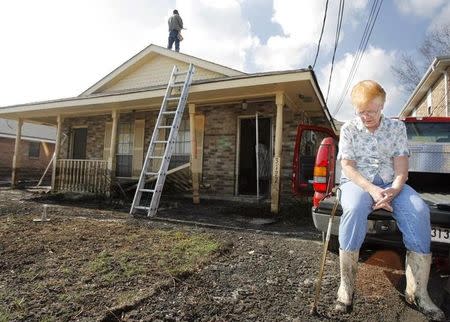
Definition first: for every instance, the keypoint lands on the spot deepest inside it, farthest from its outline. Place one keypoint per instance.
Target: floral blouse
(373, 152)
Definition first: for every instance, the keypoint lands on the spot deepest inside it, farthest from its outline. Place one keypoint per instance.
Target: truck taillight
(320, 178)
(324, 169)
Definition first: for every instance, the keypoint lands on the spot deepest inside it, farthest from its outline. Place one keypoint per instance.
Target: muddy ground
(91, 262)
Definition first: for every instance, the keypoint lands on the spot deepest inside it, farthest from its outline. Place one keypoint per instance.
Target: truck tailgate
(439, 204)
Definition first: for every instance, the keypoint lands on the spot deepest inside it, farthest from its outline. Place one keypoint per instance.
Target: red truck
(316, 171)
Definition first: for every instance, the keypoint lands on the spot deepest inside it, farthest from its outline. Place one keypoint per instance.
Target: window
(124, 160)
(182, 149)
(183, 141)
(433, 132)
(34, 149)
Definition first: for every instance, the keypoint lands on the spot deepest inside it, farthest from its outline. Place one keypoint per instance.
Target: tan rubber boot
(416, 293)
(348, 262)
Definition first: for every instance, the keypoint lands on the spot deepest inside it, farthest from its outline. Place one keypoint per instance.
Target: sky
(54, 49)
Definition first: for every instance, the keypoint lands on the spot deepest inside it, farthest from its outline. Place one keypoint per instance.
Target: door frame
(238, 145)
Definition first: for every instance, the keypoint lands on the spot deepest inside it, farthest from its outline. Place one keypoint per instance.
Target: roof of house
(152, 50)
(433, 73)
(140, 83)
(30, 132)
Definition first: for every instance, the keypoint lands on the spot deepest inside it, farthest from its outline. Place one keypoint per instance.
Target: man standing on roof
(175, 26)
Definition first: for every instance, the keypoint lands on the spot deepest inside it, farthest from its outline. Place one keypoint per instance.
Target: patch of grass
(4, 315)
(187, 253)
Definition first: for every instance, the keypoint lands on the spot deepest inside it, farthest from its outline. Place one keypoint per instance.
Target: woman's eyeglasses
(367, 113)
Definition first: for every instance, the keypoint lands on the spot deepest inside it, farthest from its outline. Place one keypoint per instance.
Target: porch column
(194, 157)
(16, 157)
(112, 147)
(276, 166)
(59, 121)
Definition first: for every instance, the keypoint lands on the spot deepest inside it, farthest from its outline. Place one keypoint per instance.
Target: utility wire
(376, 5)
(321, 33)
(336, 41)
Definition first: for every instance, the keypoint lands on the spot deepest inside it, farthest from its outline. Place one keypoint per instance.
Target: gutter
(324, 106)
(427, 74)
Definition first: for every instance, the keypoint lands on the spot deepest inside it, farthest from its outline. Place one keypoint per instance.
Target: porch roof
(299, 86)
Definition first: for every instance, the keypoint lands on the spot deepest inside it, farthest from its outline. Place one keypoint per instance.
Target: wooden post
(276, 167)
(194, 157)
(16, 157)
(59, 121)
(112, 148)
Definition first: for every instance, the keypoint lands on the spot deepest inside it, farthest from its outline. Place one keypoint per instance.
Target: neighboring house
(36, 150)
(431, 96)
(219, 117)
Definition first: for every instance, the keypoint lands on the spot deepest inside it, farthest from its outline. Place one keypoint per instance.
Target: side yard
(100, 265)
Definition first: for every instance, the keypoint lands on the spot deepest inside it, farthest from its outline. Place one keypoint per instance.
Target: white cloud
(301, 22)
(420, 8)
(375, 64)
(216, 31)
(56, 49)
(442, 18)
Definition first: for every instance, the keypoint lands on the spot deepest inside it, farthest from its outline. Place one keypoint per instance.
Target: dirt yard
(92, 262)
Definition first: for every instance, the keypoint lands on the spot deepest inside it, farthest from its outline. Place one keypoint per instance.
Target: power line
(373, 15)
(321, 33)
(336, 41)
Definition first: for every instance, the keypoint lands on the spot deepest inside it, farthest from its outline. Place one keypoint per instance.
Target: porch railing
(83, 176)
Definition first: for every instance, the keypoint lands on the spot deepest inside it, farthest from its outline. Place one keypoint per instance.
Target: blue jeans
(410, 212)
(173, 37)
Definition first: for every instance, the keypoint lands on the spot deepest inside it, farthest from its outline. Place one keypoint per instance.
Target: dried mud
(91, 262)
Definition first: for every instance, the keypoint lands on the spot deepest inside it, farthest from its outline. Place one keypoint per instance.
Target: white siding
(155, 71)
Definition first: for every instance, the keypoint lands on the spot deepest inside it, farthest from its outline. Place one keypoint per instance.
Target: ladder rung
(164, 127)
(160, 142)
(151, 173)
(173, 98)
(147, 190)
(169, 112)
(141, 207)
(156, 157)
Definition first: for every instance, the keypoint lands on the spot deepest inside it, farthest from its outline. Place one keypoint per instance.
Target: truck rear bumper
(379, 231)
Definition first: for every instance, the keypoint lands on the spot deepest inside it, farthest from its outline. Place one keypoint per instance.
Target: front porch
(108, 134)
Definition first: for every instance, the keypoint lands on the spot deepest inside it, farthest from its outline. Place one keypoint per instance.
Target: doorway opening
(79, 142)
(251, 168)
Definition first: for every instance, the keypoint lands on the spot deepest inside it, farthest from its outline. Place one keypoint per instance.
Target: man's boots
(417, 272)
(348, 262)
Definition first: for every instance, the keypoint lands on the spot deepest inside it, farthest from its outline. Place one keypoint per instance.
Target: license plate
(441, 235)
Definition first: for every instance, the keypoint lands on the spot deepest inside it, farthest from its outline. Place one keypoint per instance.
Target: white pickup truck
(314, 172)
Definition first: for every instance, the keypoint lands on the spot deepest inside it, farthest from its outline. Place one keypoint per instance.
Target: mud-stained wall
(220, 144)
(220, 140)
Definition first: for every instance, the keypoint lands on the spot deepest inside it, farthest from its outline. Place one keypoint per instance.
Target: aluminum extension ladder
(168, 118)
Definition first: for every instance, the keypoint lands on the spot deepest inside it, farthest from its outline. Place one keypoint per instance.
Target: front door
(255, 162)
(79, 139)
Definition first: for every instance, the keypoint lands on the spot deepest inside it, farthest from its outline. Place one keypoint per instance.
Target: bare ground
(91, 261)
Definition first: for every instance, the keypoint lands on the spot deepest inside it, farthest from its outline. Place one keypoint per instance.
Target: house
(35, 150)
(431, 96)
(109, 125)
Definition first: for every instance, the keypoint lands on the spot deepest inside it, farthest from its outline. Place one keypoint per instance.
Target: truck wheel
(333, 243)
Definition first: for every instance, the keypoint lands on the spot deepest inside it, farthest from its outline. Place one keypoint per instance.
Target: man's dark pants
(173, 37)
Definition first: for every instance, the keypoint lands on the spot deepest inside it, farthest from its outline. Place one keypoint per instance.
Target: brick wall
(219, 159)
(29, 168)
(438, 102)
(95, 135)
